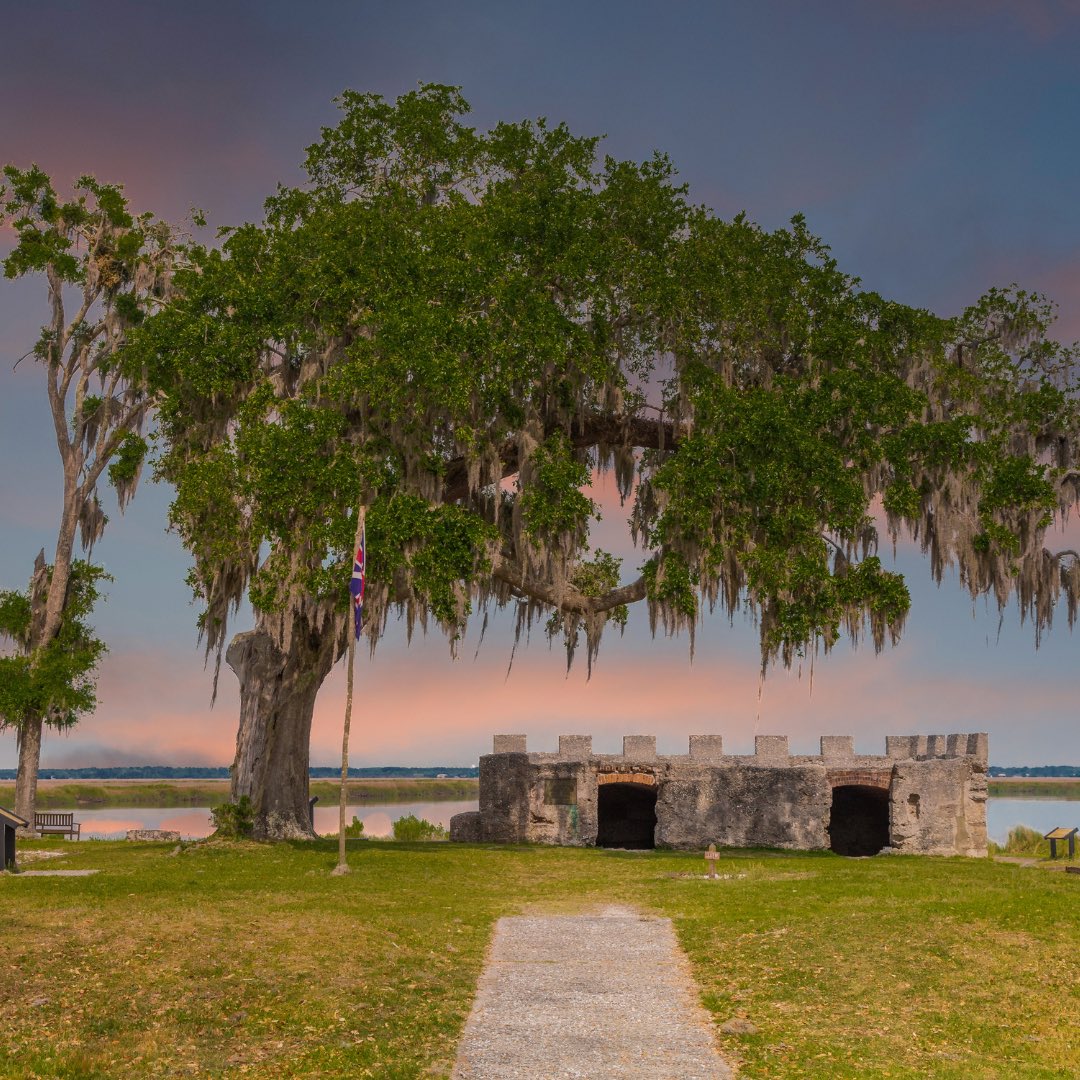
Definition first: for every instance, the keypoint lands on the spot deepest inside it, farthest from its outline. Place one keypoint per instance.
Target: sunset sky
(934, 144)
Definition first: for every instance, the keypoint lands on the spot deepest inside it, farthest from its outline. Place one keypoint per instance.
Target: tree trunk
(48, 595)
(277, 698)
(29, 737)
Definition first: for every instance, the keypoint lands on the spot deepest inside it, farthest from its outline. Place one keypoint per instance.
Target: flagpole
(342, 865)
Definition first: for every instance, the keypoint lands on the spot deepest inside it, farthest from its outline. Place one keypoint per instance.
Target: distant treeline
(221, 772)
(1035, 770)
(390, 772)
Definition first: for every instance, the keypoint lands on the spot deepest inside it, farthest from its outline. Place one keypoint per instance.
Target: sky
(932, 143)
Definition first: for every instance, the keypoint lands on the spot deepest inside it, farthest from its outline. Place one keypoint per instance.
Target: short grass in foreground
(251, 960)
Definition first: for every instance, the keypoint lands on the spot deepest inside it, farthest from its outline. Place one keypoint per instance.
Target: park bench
(56, 823)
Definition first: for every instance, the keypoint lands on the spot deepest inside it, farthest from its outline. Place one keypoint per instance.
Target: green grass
(168, 793)
(251, 960)
(1011, 788)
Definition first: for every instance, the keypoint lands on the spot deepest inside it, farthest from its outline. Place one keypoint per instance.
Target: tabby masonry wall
(935, 786)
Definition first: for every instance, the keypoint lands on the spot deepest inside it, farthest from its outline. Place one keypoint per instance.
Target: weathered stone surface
(707, 747)
(575, 746)
(466, 827)
(926, 794)
(504, 797)
(153, 834)
(938, 807)
(771, 749)
(837, 746)
(744, 806)
(639, 747)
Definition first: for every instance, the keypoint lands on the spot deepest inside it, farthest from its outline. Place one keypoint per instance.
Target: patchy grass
(66, 795)
(232, 959)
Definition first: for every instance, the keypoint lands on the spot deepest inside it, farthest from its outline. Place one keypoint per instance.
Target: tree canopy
(457, 330)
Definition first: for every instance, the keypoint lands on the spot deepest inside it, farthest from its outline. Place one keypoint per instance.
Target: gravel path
(604, 995)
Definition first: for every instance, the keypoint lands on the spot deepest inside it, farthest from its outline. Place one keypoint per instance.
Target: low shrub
(234, 821)
(355, 829)
(411, 827)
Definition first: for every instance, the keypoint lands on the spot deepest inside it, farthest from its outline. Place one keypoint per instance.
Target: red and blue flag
(356, 585)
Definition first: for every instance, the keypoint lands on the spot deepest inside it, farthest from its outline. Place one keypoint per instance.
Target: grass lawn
(251, 960)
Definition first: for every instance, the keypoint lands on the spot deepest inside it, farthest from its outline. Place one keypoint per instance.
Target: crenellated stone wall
(925, 794)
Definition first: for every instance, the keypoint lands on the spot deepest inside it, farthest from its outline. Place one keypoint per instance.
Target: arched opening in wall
(626, 816)
(859, 821)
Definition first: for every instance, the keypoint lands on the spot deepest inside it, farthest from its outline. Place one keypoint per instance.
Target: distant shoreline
(90, 794)
(68, 794)
(1035, 787)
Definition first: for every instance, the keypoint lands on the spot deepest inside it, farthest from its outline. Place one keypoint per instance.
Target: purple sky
(934, 145)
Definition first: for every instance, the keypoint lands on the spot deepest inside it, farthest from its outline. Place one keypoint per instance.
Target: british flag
(356, 586)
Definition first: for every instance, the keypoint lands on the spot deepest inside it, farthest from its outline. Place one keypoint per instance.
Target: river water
(1042, 815)
(194, 822)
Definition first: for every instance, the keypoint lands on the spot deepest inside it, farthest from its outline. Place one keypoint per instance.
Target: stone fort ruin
(926, 794)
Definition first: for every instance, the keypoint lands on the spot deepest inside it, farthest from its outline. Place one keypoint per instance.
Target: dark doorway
(859, 822)
(626, 816)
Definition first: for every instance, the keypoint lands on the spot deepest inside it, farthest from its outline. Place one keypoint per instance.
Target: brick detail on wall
(616, 777)
(876, 778)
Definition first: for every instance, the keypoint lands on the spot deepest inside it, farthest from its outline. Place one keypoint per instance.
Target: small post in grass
(710, 860)
(356, 589)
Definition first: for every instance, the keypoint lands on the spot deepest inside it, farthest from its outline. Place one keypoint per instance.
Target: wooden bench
(56, 823)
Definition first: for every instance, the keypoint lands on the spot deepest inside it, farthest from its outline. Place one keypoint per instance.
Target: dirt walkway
(587, 996)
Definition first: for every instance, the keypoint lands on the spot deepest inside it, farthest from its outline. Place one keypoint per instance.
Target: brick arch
(626, 778)
(875, 778)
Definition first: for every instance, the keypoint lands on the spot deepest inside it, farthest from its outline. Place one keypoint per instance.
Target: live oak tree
(103, 269)
(457, 330)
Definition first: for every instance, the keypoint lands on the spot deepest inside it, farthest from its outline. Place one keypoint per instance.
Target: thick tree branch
(637, 432)
(573, 600)
(1067, 553)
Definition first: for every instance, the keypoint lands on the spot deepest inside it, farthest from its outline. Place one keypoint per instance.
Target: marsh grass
(1025, 841)
(176, 793)
(1021, 788)
(241, 959)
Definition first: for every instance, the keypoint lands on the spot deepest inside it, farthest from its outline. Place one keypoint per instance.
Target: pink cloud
(153, 707)
(1061, 282)
(420, 707)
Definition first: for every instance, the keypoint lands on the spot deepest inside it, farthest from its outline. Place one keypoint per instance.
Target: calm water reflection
(1039, 814)
(193, 822)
